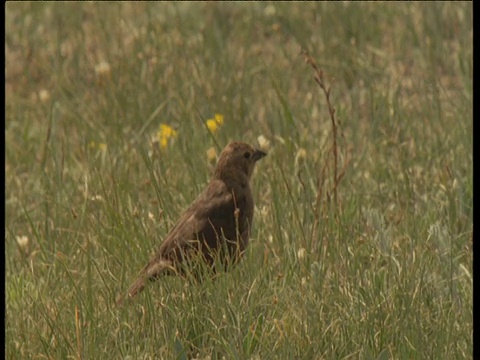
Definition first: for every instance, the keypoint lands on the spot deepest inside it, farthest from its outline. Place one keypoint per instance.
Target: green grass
(383, 273)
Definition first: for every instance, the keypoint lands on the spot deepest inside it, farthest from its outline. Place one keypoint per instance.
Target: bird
(215, 228)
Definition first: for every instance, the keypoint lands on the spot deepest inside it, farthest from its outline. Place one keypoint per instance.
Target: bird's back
(219, 218)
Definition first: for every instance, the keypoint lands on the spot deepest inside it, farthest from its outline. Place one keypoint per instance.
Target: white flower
(22, 241)
(301, 253)
(263, 142)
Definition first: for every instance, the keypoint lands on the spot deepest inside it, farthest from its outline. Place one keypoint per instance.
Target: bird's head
(237, 160)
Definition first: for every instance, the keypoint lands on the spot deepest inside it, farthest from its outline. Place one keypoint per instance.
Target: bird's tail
(150, 272)
(135, 289)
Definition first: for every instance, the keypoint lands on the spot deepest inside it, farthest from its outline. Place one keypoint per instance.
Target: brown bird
(216, 227)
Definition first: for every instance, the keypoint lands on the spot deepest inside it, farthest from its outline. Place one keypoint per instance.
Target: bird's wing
(212, 210)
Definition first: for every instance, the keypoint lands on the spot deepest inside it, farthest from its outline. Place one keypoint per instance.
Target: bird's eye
(246, 155)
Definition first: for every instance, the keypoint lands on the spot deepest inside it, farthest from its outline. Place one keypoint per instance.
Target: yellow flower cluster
(215, 123)
(164, 134)
(100, 146)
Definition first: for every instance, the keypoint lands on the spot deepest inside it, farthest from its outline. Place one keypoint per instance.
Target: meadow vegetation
(115, 113)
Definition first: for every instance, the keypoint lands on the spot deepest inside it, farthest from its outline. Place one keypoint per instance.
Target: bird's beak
(258, 154)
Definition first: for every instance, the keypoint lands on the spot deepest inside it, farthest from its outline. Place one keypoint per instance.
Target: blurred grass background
(384, 273)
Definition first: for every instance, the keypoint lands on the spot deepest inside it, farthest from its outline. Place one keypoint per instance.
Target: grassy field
(360, 250)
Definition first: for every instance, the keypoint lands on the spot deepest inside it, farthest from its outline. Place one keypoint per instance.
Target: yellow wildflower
(212, 125)
(219, 119)
(215, 123)
(163, 142)
(165, 132)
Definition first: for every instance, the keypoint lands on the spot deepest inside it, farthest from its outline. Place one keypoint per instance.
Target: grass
(383, 272)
